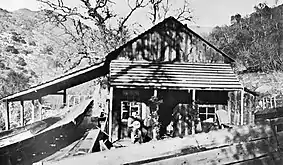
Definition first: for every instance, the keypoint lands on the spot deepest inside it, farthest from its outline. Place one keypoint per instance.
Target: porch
(189, 94)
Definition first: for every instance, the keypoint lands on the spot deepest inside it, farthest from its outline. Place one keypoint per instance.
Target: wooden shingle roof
(127, 74)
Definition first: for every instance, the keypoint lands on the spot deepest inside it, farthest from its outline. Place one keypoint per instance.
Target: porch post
(229, 107)
(193, 103)
(242, 108)
(32, 111)
(22, 114)
(236, 112)
(250, 110)
(65, 97)
(110, 113)
(40, 108)
(7, 119)
(271, 104)
(68, 101)
(155, 92)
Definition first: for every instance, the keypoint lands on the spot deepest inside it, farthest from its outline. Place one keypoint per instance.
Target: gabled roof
(114, 54)
(94, 71)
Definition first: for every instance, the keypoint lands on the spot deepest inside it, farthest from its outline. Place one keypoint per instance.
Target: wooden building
(168, 61)
(180, 68)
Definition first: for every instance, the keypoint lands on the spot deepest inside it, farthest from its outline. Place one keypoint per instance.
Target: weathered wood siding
(234, 107)
(173, 76)
(172, 41)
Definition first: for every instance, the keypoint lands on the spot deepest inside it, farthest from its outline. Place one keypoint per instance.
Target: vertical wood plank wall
(234, 106)
(171, 43)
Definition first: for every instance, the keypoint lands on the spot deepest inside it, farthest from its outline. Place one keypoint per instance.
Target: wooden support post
(32, 111)
(263, 103)
(68, 101)
(229, 107)
(7, 119)
(22, 114)
(250, 110)
(40, 108)
(154, 131)
(236, 111)
(65, 97)
(271, 104)
(110, 114)
(275, 105)
(193, 103)
(155, 92)
(242, 108)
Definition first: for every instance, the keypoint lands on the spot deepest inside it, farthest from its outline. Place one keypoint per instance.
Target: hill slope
(33, 50)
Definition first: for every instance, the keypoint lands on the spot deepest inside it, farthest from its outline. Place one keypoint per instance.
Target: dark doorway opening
(171, 98)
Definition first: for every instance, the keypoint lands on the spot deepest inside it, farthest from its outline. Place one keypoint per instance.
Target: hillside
(255, 42)
(33, 50)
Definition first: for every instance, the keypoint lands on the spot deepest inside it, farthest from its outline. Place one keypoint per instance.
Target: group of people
(138, 131)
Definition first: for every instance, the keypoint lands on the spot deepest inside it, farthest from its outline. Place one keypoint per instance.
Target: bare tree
(96, 23)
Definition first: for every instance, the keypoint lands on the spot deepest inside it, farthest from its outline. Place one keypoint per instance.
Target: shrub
(2, 65)
(47, 50)
(32, 43)
(21, 61)
(23, 41)
(11, 49)
(26, 52)
(15, 38)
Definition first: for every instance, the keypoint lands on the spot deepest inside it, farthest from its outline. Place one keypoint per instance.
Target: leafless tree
(97, 22)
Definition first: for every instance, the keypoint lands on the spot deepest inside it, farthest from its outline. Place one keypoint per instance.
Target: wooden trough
(252, 144)
(36, 141)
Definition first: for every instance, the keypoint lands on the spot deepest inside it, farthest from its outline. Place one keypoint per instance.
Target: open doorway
(171, 98)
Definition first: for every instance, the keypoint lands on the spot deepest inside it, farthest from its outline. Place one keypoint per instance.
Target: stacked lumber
(258, 144)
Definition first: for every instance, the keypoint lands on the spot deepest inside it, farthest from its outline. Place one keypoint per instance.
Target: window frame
(131, 105)
(206, 111)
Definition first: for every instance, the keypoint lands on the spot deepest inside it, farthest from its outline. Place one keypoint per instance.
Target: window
(206, 112)
(128, 109)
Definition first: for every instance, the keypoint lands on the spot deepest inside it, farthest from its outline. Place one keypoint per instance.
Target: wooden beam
(250, 109)
(229, 107)
(65, 97)
(40, 108)
(242, 108)
(155, 92)
(32, 111)
(58, 93)
(110, 114)
(236, 112)
(22, 114)
(194, 105)
(68, 101)
(7, 117)
(247, 142)
(225, 155)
